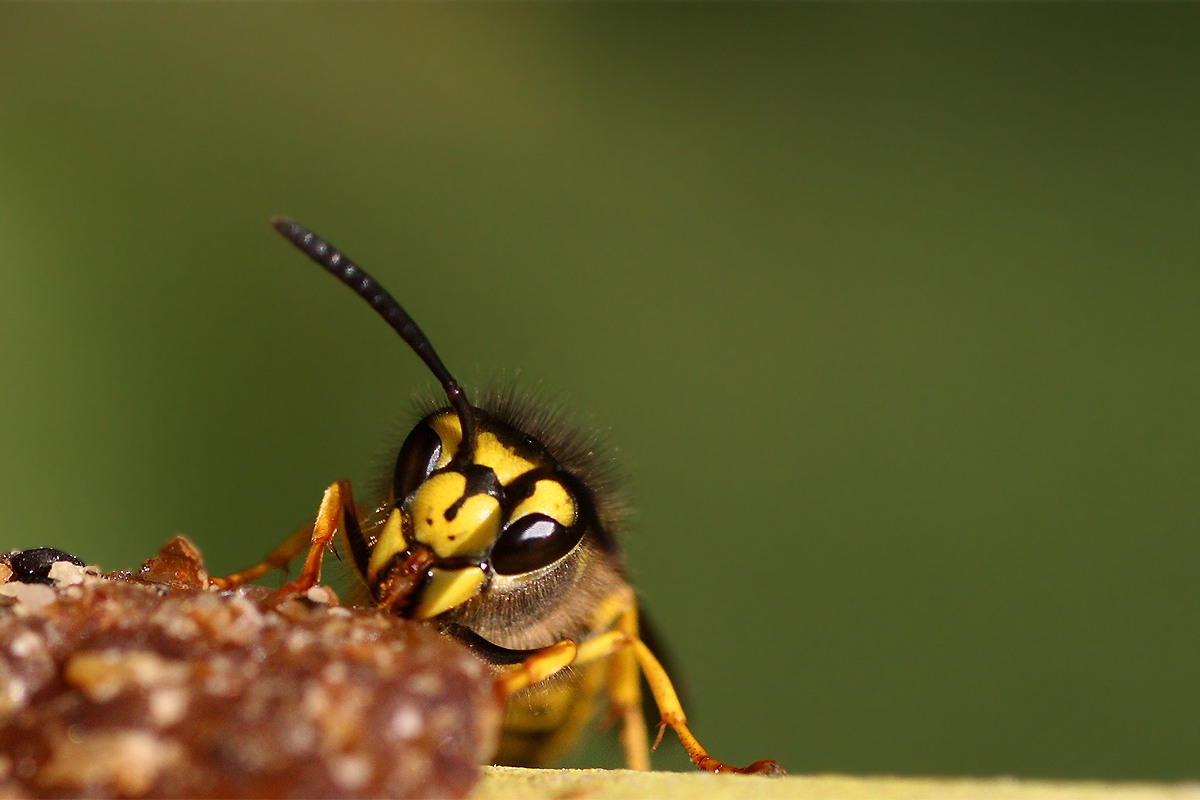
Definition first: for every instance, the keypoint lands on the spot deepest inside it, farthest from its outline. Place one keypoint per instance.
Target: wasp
(499, 528)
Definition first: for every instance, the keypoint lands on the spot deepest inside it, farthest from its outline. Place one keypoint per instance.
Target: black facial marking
(480, 480)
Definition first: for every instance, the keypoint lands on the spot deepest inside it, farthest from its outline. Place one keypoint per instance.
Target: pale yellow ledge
(511, 783)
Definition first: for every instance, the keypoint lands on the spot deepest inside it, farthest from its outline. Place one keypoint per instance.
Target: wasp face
(459, 521)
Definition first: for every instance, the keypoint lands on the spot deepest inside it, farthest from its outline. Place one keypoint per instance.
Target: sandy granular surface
(149, 685)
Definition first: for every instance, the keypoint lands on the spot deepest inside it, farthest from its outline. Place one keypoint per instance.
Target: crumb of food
(29, 597)
(323, 595)
(150, 684)
(64, 573)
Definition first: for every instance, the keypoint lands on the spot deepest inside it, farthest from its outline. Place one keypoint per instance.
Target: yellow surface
(549, 498)
(391, 541)
(501, 783)
(448, 588)
(489, 451)
(470, 532)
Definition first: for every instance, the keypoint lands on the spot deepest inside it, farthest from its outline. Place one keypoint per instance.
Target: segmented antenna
(386, 306)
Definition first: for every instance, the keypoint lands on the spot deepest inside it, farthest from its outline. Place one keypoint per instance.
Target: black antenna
(386, 306)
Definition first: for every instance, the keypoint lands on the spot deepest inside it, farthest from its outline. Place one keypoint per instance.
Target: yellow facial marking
(504, 462)
(449, 430)
(489, 452)
(391, 541)
(447, 589)
(550, 498)
(473, 528)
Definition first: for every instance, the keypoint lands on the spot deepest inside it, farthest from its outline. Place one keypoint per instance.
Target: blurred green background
(892, 312)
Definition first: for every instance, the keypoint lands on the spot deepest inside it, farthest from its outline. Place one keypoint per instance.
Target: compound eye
(532, 542)
(416, 461)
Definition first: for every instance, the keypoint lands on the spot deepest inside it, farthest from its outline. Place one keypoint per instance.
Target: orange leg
(549, 660)
(279, 558)
(336, 504)
(625, 696)
(672, 715)
(537, 667)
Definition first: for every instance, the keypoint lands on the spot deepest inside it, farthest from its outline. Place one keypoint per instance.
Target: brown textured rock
(148, 685)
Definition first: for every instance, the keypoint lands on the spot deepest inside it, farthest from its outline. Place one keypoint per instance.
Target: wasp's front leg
(336, 513)
(279, 558)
